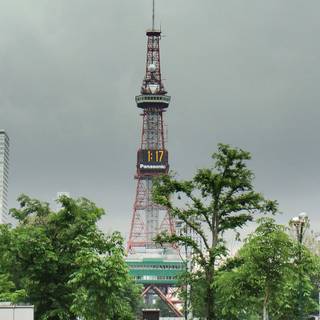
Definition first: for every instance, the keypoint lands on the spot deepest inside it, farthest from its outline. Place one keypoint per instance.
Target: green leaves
(102, 286)
(216, 200)
(31, 210)
(63, 264)
(8, 290)
(264, 275)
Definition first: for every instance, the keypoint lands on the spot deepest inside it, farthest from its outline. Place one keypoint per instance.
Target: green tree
(45, 257)
(267, 257)
(8, 290)
(216, 200)
(262, 281)
(197, 294)
(102, 285)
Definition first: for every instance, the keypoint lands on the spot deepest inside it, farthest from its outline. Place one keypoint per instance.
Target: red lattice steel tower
(148, 218)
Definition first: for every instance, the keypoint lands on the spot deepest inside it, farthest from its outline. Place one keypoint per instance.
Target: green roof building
(158, 270)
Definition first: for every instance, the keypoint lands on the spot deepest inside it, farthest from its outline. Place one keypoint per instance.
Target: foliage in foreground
(64, 264)
(262, 281)
(265, 280)
(216, 200)
(8, 290)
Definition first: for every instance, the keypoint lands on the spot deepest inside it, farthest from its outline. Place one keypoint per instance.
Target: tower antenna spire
(153, 5)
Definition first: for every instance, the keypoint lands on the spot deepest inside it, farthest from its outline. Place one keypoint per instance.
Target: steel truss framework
(148, 218)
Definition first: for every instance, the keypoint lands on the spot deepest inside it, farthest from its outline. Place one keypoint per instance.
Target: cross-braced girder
(152, 130)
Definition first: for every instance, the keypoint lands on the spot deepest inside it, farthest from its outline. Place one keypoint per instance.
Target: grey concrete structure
(16, 312)
(4, 176)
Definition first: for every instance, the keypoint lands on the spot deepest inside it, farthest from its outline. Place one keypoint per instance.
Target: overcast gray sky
(244, 72)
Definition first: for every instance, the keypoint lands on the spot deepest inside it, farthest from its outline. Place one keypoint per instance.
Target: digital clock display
(153, 161)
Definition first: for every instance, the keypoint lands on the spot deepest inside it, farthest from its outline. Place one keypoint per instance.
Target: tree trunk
(265, 313)
(210, 298)
(211, 315)
(266, 305)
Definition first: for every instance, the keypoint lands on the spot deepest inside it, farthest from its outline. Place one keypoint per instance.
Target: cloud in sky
(239, 72)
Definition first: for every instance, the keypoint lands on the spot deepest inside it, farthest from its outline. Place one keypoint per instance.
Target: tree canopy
(214, 201)
(64, 264)
(262, 280)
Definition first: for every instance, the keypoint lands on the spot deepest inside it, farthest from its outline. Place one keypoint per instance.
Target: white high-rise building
(4, 175)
